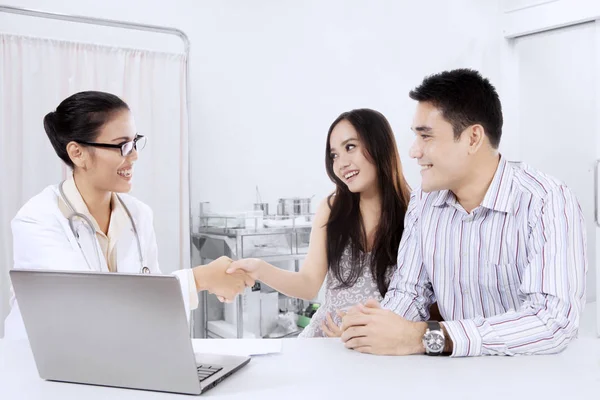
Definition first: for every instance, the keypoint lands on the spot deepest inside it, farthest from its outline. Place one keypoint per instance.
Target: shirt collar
(444, 197)
(118, 215)
(498, 195)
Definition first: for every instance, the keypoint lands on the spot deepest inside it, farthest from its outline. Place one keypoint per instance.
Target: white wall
(271, 79)
(523, 17)
(268, 77)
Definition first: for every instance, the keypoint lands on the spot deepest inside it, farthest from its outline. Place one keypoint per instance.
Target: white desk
(324, 369)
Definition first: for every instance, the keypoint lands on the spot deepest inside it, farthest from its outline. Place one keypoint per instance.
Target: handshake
(223, 279)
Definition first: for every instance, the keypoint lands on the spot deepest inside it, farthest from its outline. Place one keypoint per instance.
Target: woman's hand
(251, 266)
(330, 328)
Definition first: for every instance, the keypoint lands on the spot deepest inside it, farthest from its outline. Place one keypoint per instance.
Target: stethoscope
(90, 227)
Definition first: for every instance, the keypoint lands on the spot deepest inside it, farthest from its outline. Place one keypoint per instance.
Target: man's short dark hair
(465, 98)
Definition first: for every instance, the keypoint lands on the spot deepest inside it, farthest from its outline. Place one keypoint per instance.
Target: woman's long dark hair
(345, 225)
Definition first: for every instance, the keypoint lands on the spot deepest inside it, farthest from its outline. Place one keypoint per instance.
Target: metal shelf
(273, 244)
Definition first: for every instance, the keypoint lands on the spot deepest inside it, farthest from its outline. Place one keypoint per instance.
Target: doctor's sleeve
(185, 276)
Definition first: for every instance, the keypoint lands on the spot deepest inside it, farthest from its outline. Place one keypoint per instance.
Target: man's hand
(212, 277)
(370, 329)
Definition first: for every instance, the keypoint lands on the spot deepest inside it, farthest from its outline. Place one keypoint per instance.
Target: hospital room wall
(268, 77)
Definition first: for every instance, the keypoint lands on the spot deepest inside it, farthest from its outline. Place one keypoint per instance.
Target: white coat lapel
(127, 252)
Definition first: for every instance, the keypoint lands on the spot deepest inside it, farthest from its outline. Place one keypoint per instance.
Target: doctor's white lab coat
(42, 239)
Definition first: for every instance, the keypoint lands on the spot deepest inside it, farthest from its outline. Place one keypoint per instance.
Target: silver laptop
(118, 330)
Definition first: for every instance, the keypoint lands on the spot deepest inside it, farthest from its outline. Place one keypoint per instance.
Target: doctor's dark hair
(79, 118)
(464, 98)
(345, 228)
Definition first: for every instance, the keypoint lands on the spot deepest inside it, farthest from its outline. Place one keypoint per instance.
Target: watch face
(434, 342)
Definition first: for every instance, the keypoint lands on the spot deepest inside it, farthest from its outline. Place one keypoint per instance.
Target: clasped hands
(214, 278)
(369, 328)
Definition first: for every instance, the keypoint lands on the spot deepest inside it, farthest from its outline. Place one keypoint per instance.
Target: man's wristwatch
(434, 339)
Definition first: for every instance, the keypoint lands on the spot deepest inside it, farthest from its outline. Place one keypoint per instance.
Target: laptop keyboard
(206, 371)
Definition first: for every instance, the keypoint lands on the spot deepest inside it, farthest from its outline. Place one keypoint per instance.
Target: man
(499, 245)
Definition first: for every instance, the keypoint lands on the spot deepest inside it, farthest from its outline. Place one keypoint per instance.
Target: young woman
(87, 222)
(357, 229)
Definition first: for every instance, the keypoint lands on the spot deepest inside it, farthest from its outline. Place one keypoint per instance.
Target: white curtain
(36, 75)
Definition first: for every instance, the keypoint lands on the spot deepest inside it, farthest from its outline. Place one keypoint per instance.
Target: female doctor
(87, 223)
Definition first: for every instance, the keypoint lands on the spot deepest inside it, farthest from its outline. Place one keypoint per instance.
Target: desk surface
(324, 369)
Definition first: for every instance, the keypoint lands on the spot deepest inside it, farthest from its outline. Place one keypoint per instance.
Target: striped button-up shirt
(509, 277)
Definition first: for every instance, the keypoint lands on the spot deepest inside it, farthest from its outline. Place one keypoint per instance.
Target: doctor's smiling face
(111, 168)
(95, 134)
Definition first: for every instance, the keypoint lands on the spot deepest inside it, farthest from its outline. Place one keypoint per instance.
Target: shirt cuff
(466, 339)
(188, 288)
(193, 292)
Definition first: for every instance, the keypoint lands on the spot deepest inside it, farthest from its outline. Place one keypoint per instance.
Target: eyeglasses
(138, 143)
